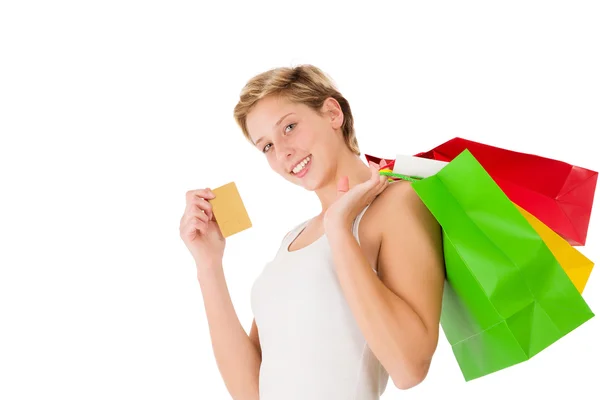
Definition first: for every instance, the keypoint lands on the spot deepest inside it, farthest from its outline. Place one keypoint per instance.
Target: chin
(311, 182)
(306, 184)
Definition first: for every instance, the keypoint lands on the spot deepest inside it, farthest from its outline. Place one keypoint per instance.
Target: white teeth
(301, 165)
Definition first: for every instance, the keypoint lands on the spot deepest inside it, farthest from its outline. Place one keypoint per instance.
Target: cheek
(307, 141)
(274, 165)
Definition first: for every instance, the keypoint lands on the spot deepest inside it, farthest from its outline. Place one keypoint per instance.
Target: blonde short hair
(305, 84)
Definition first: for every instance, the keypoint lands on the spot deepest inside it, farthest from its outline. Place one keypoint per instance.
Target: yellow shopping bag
(577, 266)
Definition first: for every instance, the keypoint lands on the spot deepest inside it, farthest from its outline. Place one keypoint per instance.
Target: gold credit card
(229, 210)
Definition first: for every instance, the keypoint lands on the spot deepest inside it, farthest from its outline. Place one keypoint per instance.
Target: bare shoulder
(397, 191)
(403, 225)
(372, 225)
(397, 196)
(398, 202)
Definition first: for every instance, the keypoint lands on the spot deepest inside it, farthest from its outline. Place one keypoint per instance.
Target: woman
(353, 296)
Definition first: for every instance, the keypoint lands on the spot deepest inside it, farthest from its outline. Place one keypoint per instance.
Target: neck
(349, 164)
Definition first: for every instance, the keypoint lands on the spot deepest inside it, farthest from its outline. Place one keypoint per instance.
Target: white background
(110, 111)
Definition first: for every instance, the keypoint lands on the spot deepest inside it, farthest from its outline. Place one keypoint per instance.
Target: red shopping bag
(557, 193)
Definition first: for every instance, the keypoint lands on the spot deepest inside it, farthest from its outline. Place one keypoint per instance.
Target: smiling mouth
(302, 166)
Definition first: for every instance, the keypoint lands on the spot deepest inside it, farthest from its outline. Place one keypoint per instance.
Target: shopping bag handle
(390, 174)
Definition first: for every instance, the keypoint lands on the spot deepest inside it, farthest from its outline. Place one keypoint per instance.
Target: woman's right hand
(200, 231)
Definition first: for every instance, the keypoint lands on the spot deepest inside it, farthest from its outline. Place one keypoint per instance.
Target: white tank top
(312, 347)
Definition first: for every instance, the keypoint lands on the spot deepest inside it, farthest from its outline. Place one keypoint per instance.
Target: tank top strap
(357, 222)
(291, 235)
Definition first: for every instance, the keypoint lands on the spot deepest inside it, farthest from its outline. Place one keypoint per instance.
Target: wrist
(337, 229)
(207, 267)
(336, 224)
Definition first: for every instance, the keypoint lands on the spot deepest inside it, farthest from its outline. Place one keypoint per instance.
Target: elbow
(411, 376)
(407, 382)
(415, 367)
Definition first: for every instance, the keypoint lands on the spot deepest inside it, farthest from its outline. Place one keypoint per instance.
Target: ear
(333, 111)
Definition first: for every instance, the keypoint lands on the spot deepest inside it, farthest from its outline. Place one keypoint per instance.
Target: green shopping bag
(506, 296)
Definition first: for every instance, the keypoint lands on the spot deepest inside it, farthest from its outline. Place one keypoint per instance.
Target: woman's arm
(398, 314)
(237, 354)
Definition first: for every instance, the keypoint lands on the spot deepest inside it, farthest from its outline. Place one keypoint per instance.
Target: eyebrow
(274, 126)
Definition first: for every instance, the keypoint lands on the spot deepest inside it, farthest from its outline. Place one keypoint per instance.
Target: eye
(264, 150)
(285, 130)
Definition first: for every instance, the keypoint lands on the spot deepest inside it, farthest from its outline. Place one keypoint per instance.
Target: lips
(302, 173)
(298, 162)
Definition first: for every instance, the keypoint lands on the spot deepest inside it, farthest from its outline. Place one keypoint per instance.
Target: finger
(380, 190)
(192, 198)
(205, 206)
(375, 176)
(343, 185)
(192, 210)
(199, 225)
(199, 204)
(189, 227)
(383, 183)
(201, 215)
(190, 195)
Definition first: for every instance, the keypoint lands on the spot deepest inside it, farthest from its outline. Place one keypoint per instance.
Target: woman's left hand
(350, 203)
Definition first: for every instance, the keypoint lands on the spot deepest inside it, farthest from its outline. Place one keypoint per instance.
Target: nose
(283, 151)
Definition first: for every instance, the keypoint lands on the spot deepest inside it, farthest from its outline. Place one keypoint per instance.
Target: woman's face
(290, 133)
